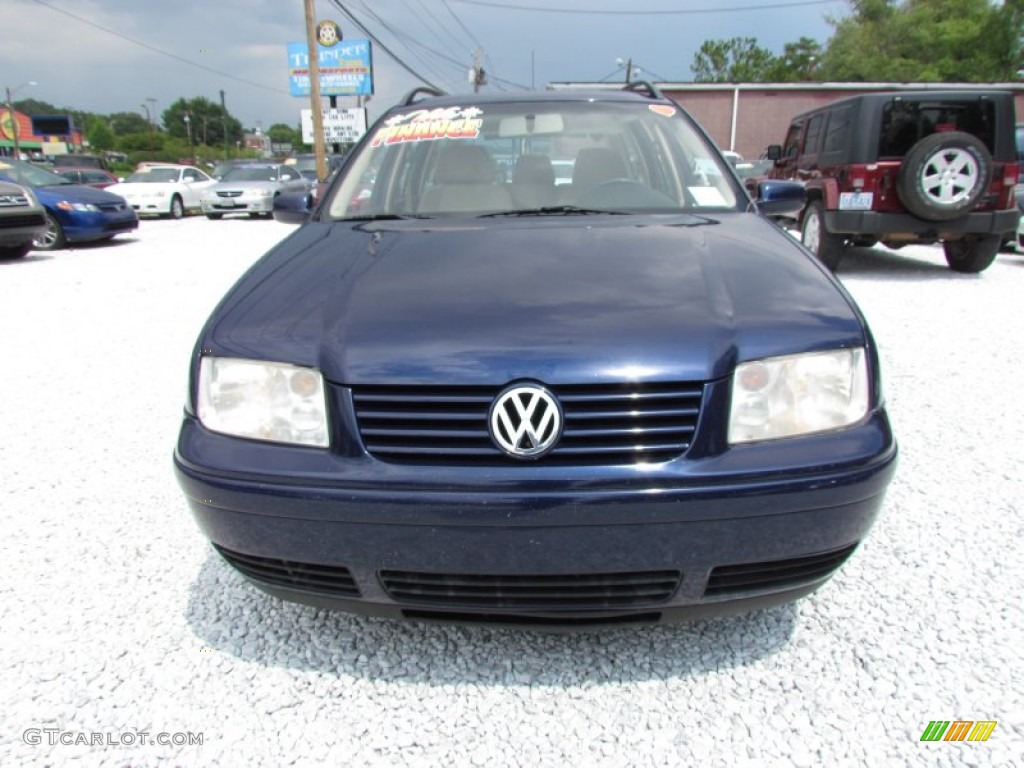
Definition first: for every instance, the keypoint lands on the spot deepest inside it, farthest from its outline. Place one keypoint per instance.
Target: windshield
(153, 176)
(534, 158)
(251, 173)
(29, 175)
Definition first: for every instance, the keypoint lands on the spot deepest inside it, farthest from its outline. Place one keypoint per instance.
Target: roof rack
(410, 97)
(642, 85)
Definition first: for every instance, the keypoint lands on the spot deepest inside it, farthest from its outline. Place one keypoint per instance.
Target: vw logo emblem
(526, 421)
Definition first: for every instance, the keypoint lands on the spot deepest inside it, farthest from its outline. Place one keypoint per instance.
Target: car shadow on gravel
(229, 615)
(885, 265)
(33, 256)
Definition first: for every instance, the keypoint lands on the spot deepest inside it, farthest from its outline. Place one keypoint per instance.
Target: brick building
(747, 117)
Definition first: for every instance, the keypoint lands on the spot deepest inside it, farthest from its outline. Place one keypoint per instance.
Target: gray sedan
(250, 189)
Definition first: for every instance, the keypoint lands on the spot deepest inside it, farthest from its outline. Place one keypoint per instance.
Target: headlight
(797, 395)
(64, 205)
(262, 401)
(262, 192)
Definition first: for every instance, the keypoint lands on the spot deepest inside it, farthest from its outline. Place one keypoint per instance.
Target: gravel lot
(118, 618)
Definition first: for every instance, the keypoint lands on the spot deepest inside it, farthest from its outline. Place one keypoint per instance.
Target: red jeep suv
(907, 167)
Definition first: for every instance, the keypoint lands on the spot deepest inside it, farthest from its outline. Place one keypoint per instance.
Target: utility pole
(224, 123)
(314, 94)
(477, 75)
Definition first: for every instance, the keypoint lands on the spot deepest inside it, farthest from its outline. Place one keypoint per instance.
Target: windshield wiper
(552, 210)
(383, 217)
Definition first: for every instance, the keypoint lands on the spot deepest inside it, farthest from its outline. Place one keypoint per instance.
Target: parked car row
(72, 213)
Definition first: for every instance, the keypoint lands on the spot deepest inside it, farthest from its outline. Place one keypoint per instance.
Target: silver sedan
(250, 189)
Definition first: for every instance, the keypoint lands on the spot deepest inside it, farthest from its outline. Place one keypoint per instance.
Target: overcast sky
(111, 55)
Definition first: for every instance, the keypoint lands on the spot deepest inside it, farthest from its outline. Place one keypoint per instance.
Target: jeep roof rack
(410, 97)
(643, 85)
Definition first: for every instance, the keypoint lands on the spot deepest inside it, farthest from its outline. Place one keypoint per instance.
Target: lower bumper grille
(24, 220)
(557, 592)
(328, 579)
(774, 574)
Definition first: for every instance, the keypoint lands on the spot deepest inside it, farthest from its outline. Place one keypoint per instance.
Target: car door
(194, 182)
(291, 180)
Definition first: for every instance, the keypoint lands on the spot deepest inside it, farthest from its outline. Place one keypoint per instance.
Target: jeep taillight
(1010, 173)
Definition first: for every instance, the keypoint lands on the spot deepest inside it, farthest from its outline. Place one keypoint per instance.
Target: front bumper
(243, 204)
(82, 227)
(21, 227)
(513, 546)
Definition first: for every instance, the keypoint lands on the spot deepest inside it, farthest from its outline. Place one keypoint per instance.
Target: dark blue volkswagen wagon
(465, 391)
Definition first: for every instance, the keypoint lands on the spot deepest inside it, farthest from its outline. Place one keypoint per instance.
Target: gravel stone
(117, 617)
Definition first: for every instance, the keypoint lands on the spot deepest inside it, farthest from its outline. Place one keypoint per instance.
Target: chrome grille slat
(603, 424)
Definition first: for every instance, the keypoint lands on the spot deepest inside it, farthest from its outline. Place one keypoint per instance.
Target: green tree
(205, 120)
(737, 60)
(926, 41)
(799, 61)
(98, 133)
(123, 123)
(280, 133)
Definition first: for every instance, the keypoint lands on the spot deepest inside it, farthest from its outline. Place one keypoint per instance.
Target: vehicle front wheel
(177, 208)
(15, 251)
(52, 237)
(972, 254)
(827, 246)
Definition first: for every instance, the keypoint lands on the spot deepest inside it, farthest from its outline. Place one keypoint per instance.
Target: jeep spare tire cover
(944, 175)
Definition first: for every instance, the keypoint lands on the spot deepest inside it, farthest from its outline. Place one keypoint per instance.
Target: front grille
(26, 220)
(13, 201)
(229, 194)
(774, 574)
(552, 592)
(111, 207)
(604, 424)
(309, 577)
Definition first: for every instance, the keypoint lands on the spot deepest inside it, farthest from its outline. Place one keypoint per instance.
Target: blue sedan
(73, 213)
(463, 392)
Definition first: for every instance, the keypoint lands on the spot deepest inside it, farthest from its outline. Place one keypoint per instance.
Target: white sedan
(164, 190)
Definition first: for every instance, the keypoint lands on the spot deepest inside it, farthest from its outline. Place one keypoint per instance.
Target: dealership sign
(340, 125)
(345, 69)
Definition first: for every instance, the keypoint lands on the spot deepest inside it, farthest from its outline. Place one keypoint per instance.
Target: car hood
(136, 188)
(75, 193)
(566, 300)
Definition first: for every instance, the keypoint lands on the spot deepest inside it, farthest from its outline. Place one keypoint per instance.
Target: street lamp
(12, 118)
(188, 127)
(149, 120)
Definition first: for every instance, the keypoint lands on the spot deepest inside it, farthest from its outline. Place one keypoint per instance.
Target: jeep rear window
(904, 123)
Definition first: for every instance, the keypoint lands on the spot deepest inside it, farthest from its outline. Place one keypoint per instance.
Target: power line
(162, 52)
(402, 39)
(688, 12)
(345, 12)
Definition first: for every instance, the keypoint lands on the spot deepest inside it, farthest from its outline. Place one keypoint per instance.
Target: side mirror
(780, 198)
(773, 152)
(293, 207)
